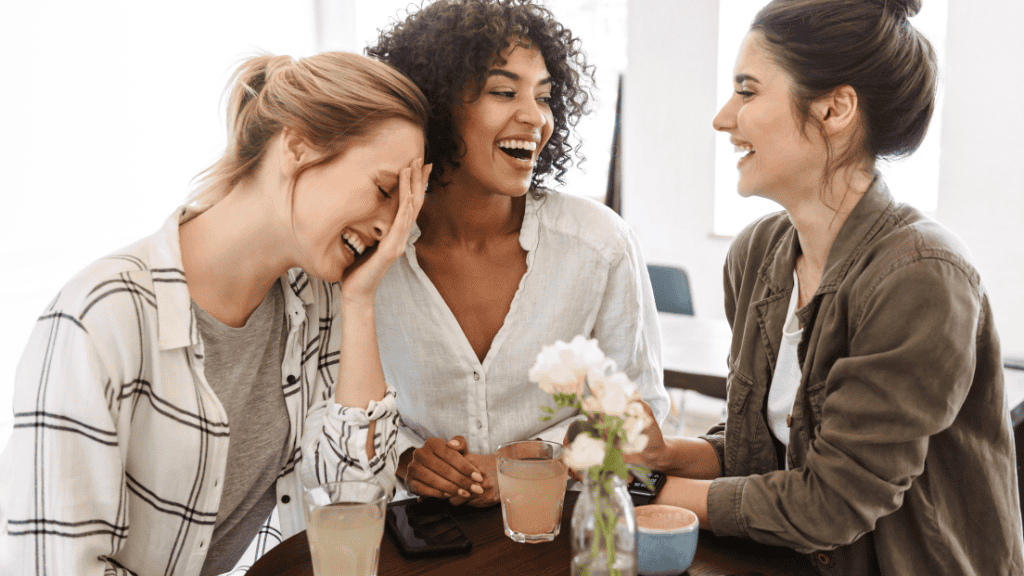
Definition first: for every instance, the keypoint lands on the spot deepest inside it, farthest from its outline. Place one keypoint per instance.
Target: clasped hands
(440, 469)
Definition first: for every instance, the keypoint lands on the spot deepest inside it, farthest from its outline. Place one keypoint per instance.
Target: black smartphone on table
(425, 529)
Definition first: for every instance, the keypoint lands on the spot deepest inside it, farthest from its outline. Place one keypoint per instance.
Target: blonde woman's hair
(332, 101)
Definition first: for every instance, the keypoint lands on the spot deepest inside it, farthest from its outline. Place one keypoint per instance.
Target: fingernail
(476, 476)
(454, 444)
(463, 493)
(447, 495)
(476, 488)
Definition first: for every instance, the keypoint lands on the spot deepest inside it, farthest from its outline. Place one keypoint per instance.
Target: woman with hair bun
(867, 424)
(177, 394)
(497, 265)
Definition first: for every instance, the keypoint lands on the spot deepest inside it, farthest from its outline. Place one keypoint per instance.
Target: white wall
(670, 99)
(981, 191)
(111, 108)
(668, 143)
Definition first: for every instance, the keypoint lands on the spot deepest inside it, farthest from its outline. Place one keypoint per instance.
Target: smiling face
(778, 160)
(343, 207)
(506, 127)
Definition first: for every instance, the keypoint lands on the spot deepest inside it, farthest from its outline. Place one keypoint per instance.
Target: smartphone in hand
(425, 529)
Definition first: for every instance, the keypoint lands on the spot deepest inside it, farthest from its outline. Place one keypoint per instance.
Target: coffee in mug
(666, 539)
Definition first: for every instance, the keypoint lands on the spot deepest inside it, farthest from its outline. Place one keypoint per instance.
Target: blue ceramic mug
(666, 539)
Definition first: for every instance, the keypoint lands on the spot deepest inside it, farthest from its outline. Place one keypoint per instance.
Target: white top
(585, 274)
(786, 379)
(117, 460)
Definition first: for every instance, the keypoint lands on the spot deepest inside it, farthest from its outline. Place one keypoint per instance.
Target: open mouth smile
(521, 150)
(352, 242)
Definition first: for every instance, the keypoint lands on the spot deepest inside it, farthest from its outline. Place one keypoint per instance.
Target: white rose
(591, 404)
(584, 452)
(614, 393)
(563, 366)
(636, 420)
(636, 445)
(551, 373)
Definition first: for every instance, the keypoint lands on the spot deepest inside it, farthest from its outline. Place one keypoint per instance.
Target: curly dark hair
(449, 45)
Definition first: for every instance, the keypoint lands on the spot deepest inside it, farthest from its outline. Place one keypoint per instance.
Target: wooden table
(695, 354)
(494, 553)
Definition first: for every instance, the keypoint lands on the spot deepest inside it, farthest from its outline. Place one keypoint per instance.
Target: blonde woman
(178, 391)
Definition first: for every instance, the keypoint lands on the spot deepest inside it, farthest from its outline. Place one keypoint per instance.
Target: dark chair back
(671, 289)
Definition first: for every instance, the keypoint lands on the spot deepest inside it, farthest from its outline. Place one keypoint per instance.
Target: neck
(468, 217)
(819, 216)
(233, 253)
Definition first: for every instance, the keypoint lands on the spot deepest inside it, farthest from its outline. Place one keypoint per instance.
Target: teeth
(353, 242)
(519, 144)
(744, 148)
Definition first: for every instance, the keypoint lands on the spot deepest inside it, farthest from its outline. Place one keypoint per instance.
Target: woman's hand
(488, 463)
(440, 469)
(653, 455)
(361, 279)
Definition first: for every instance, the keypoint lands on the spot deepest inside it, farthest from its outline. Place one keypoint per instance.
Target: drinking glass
(531, 478)
(344, 526)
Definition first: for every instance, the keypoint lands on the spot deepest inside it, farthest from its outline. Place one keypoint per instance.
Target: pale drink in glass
(344, 526)
(531, 479)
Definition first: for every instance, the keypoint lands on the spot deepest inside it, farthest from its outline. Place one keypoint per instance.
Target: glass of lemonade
(344, 525)
(531, 478)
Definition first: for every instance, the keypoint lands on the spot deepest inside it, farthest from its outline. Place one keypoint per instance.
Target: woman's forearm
(686, 493)
(688, 458)
(360, 376)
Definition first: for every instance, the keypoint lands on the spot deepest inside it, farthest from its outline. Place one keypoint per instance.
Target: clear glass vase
(604, 503)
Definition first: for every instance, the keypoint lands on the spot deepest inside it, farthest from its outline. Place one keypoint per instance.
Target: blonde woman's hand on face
(361, 279)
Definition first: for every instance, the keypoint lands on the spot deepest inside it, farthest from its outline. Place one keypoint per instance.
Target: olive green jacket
(901, 455)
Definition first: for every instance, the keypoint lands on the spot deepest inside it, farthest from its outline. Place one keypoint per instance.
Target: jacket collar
(863, 223)
(860, 226)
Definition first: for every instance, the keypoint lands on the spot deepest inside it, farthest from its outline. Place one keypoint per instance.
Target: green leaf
(642, 473)
(545, 418)
(547, 409)
(613, 462)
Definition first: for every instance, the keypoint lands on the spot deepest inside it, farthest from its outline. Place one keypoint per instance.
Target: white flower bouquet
(578, 375)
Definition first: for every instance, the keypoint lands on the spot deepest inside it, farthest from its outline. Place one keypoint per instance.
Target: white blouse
(585, 274)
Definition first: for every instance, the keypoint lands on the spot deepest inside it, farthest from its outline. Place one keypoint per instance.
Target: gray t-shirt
(243, 366)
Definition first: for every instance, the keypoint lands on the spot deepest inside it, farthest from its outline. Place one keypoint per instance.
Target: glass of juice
(531, 479)
(344, 526)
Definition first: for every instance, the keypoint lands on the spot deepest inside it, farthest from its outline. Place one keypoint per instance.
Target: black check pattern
(119, 445)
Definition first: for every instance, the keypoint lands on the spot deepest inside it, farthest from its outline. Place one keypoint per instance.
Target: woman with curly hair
(498, 266)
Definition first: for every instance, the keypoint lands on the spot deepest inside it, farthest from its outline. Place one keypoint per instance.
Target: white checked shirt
(585, 274)
(119, 450)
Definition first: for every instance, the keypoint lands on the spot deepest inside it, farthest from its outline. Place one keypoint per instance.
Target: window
(914, 180)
